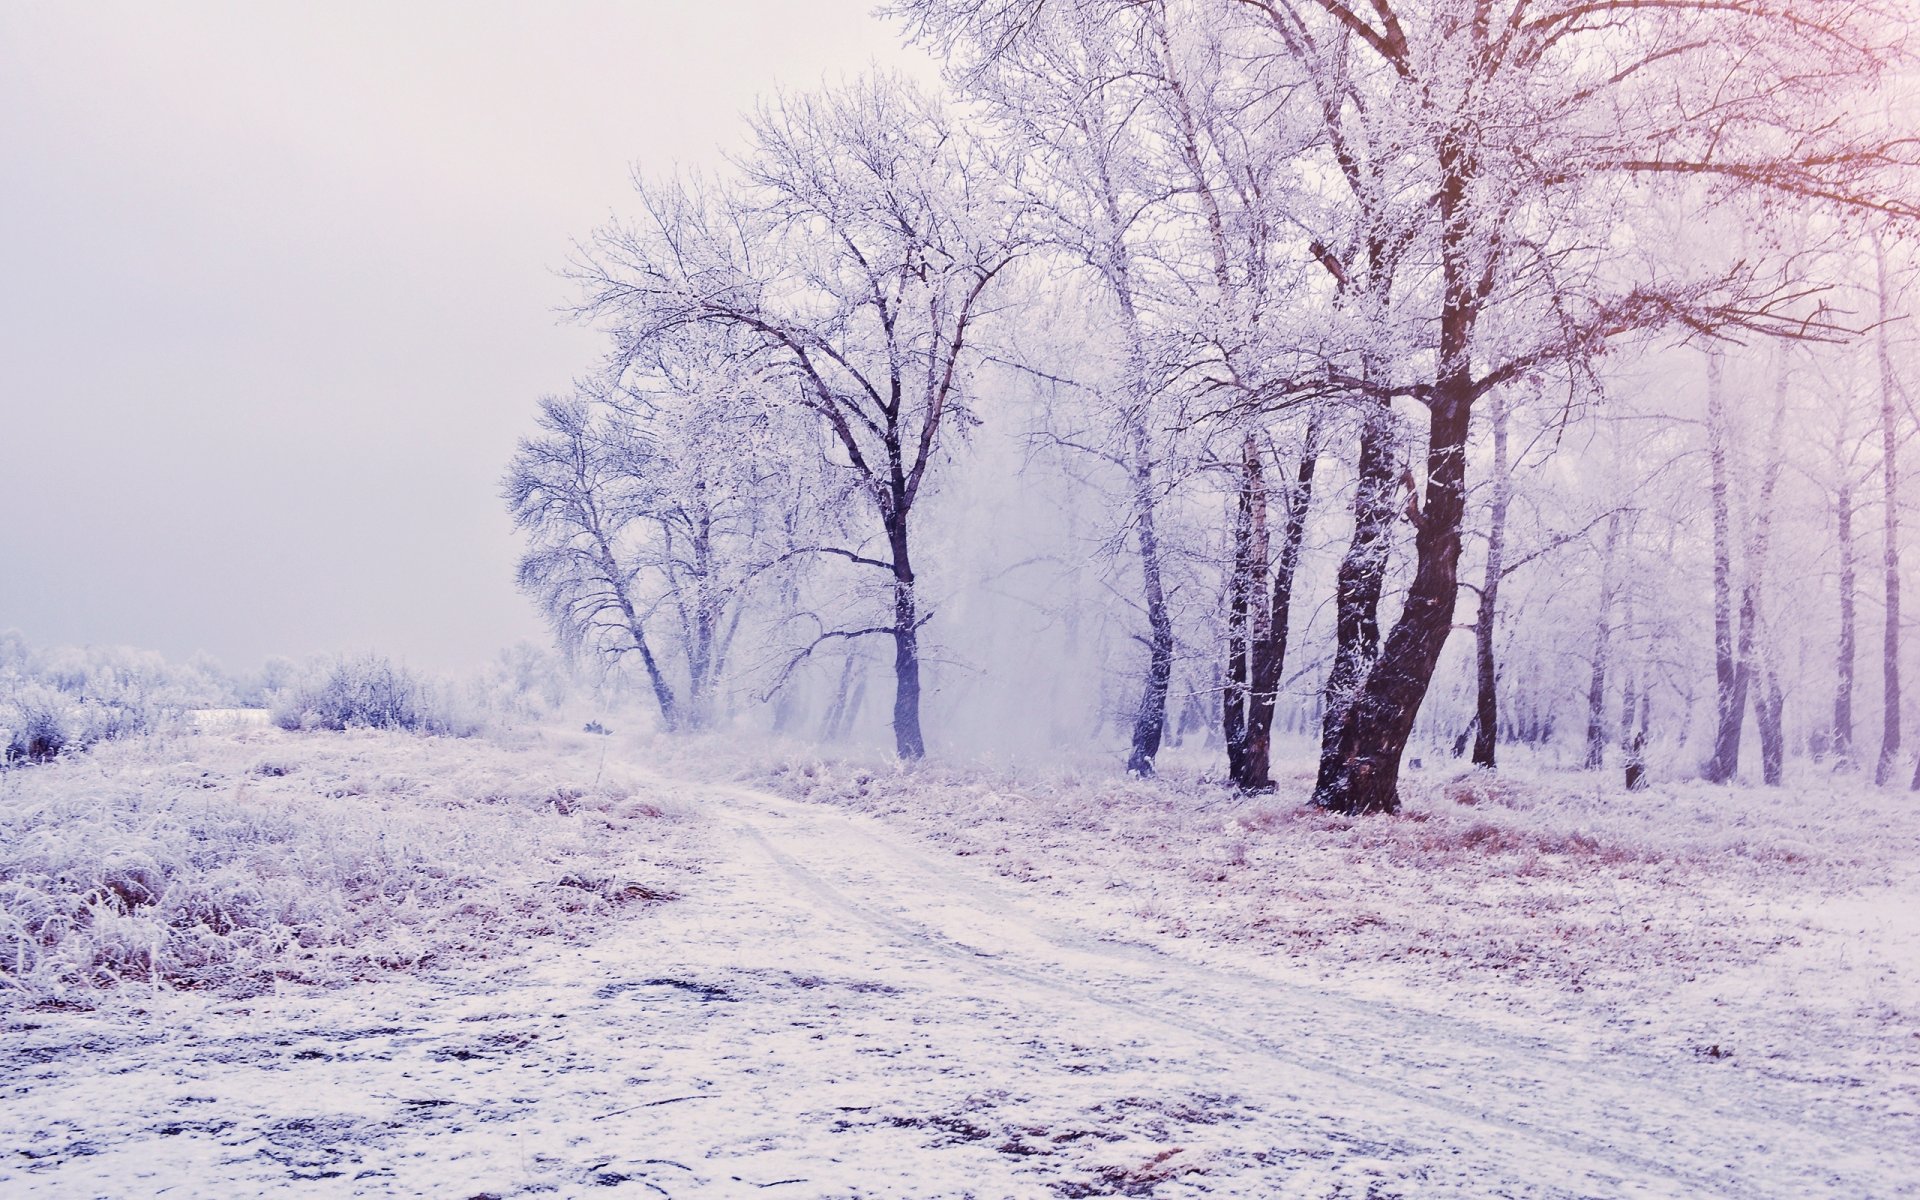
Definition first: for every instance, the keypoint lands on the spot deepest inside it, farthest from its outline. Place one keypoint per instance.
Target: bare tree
(857, 253)
(569, 494)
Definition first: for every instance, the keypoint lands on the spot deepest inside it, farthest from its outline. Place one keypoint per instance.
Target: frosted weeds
(244, 857)
(997, 986)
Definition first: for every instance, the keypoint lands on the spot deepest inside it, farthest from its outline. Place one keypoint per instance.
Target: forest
(1363, 381)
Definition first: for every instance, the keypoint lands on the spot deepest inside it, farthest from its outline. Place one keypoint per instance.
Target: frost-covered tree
(661, 507)
(855, 254)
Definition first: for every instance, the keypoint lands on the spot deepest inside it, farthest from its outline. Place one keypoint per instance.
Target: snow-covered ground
(996, 987)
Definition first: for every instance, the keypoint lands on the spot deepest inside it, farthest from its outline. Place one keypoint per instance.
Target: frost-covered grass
(1775, 925)
(243, 856)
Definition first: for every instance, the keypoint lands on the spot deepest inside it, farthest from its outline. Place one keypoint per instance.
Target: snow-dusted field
(547, 968)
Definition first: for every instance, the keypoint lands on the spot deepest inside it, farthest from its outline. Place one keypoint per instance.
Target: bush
(370, 692)
(65, 699)
(39, 723)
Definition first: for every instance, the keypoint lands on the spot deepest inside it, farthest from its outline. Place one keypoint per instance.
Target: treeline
(1222, 346)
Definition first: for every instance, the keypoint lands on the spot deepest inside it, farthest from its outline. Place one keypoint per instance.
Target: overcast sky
(278, 288)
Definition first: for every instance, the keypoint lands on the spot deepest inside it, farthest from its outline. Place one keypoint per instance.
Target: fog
(281, 289)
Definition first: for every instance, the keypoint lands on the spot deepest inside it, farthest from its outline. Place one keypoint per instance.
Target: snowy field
(248, 962)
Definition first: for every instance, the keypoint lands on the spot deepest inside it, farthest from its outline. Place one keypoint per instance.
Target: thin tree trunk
(1762, 659)
(1729, 643)
(1248, 619)
(1150, 717)
(1270, 657)
(662, 690)
(1602, 646)
(1487, 705)
(1890, 545)
(830, 723)
(1847, 652)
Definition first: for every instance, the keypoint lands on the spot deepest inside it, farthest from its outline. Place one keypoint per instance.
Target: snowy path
(1530, 1118)
(831, 1012)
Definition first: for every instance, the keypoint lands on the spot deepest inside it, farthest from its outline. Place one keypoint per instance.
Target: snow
(838, 1004)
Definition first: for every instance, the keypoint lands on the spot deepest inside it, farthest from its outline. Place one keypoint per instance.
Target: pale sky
(278, 292)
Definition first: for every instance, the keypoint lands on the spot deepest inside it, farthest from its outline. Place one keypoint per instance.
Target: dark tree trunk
(1358, 583)
(1247, 615)
(1636, 769)
(1362, 774)
(1270, 655)
(907, 739)
(1486, 679)
(1729, 658)
(1769, 717)
(1270, 661)
(1372, 734)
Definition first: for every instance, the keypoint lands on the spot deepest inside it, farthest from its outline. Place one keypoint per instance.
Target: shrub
(370, 692)
(39, 723)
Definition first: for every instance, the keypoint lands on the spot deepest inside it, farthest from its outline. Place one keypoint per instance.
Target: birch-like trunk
(1486, 710)
(1890, 537)
(1602, 649)
(1729, 667)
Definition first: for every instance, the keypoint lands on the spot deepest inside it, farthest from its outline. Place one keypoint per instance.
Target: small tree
(854, 257)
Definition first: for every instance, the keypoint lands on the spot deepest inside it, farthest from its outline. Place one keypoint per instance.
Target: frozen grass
(1687, 921)
(243, 856)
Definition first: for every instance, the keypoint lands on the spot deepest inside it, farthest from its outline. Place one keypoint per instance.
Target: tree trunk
(1268, 618)
(1248, 620)
(1487, 706)
(1890, 544)
(1358, 583)
(1729, 662)
(1150, 718)
(907, 739)
(1846, 653)
(1363, 775)
(1602, 646)
(1373, 732)
(1761, 658)
(662, 690)
(1270, 655)
(830, 723)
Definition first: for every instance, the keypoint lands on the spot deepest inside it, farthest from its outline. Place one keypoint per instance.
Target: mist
(283, 282)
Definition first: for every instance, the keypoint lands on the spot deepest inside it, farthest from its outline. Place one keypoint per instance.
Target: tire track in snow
(1659, 1139)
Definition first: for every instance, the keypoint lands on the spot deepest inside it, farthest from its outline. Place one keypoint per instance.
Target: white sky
(278, 289)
